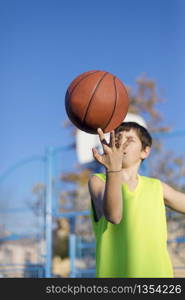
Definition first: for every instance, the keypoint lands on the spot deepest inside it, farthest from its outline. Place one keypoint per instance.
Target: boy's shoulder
(100, 175)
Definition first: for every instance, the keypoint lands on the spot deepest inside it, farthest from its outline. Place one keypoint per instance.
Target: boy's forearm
(112, 201)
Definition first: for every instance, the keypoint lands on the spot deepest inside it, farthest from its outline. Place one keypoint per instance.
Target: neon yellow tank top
(137, 246)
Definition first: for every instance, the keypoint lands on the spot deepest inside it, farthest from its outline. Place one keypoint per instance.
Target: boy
(128, 210)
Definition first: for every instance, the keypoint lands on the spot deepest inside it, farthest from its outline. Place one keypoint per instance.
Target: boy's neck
(130, 174)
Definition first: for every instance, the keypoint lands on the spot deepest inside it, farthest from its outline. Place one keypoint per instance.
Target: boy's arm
(110, 200)
(96, 190)
(173, 198)
(107, 198)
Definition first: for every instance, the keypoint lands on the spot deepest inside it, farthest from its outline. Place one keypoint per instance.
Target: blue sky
(45, 44)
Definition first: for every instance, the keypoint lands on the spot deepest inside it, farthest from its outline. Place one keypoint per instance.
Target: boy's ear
(145, 153)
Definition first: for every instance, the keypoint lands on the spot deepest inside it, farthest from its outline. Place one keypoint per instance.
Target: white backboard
(85, 141)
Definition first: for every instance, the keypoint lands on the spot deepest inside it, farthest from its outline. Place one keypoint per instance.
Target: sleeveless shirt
(137, 246)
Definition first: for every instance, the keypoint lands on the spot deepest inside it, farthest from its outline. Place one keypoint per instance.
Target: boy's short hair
(142, 133)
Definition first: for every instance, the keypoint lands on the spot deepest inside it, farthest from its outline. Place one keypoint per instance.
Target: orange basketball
(96, 99)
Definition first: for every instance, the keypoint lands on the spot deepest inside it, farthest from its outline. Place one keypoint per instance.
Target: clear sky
(44, 44)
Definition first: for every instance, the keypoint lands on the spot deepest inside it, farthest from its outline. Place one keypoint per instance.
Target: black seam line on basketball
(81, 80)
(115, 102)
(83, 119)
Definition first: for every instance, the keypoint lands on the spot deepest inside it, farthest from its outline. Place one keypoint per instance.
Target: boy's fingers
(101, 136)
(103, 141)
(120, 141)
(96, 155)
(106, 149)
(125, 144)
(112, 139)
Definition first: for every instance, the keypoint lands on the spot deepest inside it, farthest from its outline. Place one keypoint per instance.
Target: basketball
(96, 99)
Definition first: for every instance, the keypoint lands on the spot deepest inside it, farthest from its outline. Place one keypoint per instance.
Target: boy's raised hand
(112, 157)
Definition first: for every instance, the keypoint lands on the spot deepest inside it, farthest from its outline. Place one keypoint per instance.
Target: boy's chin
(126, 165)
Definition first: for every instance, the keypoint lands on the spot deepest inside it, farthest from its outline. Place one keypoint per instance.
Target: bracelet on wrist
(111, 171)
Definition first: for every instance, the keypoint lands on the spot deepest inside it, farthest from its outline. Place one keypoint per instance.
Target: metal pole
(48, 227)
(72, 247)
